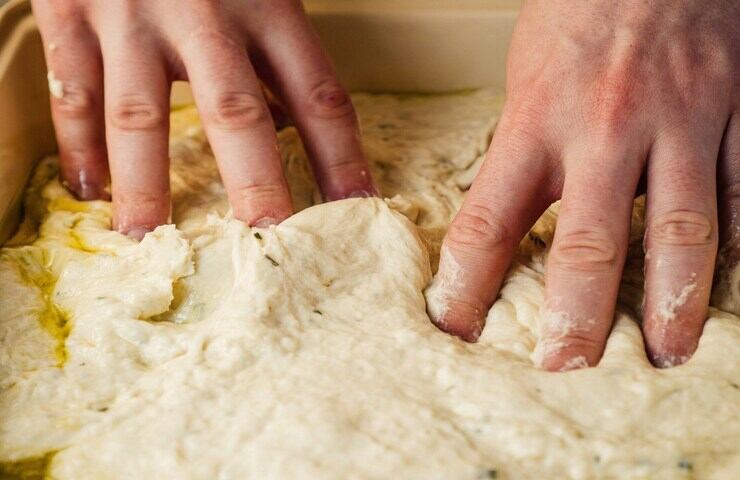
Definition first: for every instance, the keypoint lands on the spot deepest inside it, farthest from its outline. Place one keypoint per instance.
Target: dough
(212, 350)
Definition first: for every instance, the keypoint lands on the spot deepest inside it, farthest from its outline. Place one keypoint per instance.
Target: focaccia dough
(214, 351)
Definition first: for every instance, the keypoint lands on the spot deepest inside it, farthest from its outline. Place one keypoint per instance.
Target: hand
(600, 93)
(111, 65)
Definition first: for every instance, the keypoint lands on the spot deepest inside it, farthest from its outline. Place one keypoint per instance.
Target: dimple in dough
(212, 350)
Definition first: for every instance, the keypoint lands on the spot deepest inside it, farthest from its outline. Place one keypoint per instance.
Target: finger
(508, 195)
(681, 246)
(76, 86)
(137, 118)
(302, 75)
(728, 181)
(238, 124)
(585, 264)
(726, 287)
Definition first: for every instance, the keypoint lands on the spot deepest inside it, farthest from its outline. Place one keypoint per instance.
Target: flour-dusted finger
(585, 264)
(511, 190)
(680, 244)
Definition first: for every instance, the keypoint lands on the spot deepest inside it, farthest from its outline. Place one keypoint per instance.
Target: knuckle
(209, 38)
(137, 112)
(75, 101)
(478, 227)
(581, 341)
(252, 192)
(66, 11)
(144, 200)
(329, 100)
(527, 109)
(682, 228)
(237, 111)
(211, 16)
(614, 100)
(588, 250)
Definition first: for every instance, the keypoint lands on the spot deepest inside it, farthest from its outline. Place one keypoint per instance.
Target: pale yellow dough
(214, 351)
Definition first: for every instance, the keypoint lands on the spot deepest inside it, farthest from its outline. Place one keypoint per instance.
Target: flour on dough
(212, 350)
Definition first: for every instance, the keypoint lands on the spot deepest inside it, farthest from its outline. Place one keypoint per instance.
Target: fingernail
(89, 191)
(360, 194)
(574, 363)
(84, 189)
(668, 360)
(137, 233)
(467, 325)
(265, 222)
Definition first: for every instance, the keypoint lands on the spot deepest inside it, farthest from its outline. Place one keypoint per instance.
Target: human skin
(600, 94)
(606, 98)
(116, 61)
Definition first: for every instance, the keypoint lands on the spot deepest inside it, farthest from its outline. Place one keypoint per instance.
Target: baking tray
(376, 45)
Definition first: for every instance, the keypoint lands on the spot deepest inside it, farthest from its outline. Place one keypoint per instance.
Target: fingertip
(367, 193)
(464, 323)
(667, 360)
(565, 360)
(673, 324)
(87, 184)
(89, 192)
(666, 348)
(260, 214)
(135, 219)
(352, 183)
(265, 222)
(136, 233)
(136, 214)
(451, 315)
(568, 341)
(674, 321)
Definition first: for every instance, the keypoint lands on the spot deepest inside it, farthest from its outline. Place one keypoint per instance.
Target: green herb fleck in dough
(272, 260)
(318, 312)
(685, 465)
(257, 235)
(491, 473)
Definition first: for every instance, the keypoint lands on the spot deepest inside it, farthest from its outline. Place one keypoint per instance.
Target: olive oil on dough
(211, 350)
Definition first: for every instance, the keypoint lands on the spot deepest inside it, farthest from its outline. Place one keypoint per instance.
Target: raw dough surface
(214, 351)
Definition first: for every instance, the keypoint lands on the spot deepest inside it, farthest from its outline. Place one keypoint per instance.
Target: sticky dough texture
(207, 352)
